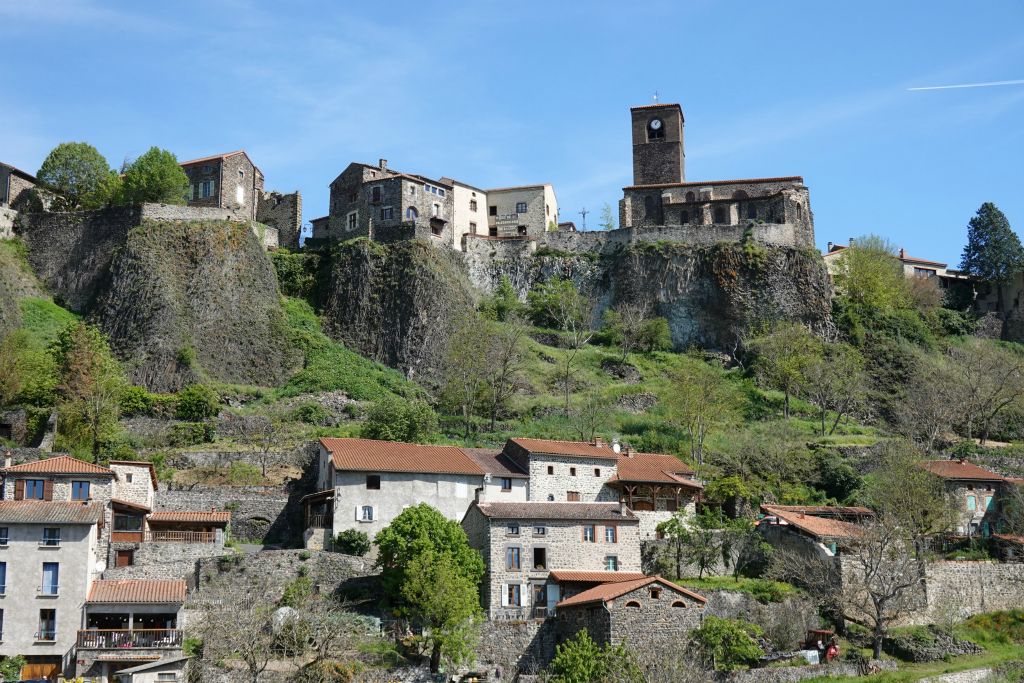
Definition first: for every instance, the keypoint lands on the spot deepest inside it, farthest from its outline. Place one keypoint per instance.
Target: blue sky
(503, 93)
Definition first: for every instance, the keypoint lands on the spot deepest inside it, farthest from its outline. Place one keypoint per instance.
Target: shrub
(197, 402)
(135, 401)
(190, 433)
(396, 419)
(581, 660)
(311, 413)
(243, 474)
(352, 542)
(655, 335)
(728, 644)
(296, 592)
(10, 668)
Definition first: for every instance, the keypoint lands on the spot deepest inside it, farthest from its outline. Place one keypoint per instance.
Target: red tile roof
(610, 591)
(568, 576)
(137, 591)
(824, 510)
(61, 464)
(139, 463)
(821, 527)
(654, 468)
(582, 449)
(49, 512)
(201, 517)
(711, 183)
(367, 455)
(1009, 538)
(584, 512)
(960, 470)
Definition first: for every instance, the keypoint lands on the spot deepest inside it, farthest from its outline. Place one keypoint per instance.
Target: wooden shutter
(504, 595)
(19, 489)
(48, 489)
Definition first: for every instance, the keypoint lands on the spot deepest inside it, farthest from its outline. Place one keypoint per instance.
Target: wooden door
(124, 558)
(35, 670)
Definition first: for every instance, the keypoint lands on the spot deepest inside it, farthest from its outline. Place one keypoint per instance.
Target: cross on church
(584, 212)
(655, 96)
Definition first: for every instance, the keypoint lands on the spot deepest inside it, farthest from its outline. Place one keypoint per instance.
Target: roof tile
(205, 517)
(582, 449)
(137, 591)
(960, 469)
(368, 455)
(60, 464)
(561, 576)
(820, 527)
(654, 468)
(49, 512)
(610, 591)
(584, 512)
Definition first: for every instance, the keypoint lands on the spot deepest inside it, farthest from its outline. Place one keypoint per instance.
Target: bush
(655, 336)
(352, 542)
(135, 401)
(197, 402)
(727, 644)
(396, 419)
(243, 474)
(190, 433)
(296, 592)
(10, 668)
(581, 660)
(311, 413)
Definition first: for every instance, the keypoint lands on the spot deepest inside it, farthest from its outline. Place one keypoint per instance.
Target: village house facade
(225, 181)
(975, 493)
(15, 186)
(523, 211)
(821, 531)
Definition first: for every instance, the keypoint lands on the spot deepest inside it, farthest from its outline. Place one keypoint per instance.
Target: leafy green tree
(694, 543)
(656, 335)
(155, 177)
(581, 660)
(869, 275)
(464, 377)
(397, 419)
(835, 381)
(993, 252)
(416, 530)
(630, 326)
(703, 401)
(79, 174)
(197, 402)
(727, 644)
(607, 217)
(781, 356)
(10, 668)
(443, 598)
(90, 387)
(503, 304)
(352, 542)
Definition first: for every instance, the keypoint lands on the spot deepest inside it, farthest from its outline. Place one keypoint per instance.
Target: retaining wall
(258, 513)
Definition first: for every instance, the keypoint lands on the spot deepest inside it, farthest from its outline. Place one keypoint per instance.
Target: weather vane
(655, 96)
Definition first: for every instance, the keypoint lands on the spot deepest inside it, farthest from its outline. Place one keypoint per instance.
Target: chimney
(622, 508)
(903, 252)
(616, 446)
(478, 494)
(628, 451)
(830, 245)
(599, 442)
(383, 164)
(8, 458)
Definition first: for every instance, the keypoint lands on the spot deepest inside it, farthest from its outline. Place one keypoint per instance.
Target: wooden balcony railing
(320, 522)
(163, 536)
(117, 639)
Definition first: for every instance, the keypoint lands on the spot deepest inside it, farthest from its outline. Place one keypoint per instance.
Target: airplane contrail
(967, 85)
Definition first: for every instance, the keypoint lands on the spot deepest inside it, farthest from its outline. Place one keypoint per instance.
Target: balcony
(320, 522)
(119, 639)
(163, 536)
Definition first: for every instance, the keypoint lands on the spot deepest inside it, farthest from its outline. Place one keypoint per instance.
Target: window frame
(50, 540)
(370, 479)
(611, 563)
(512, 529)
(589, 533)
(522, 207)
(611, 534)
(363, 517)
(39, 484)
(76, 488)
(51, 590)
(506, 484)
(5, 536)
(513, 558)
(51, 635)
(514, 595)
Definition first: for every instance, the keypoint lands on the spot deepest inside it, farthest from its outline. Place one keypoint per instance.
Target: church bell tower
(658, 155)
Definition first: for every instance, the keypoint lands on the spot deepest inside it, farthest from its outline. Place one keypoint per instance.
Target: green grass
(43, 319)
(763, 589)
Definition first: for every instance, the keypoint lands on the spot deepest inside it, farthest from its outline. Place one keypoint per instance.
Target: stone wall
(516, 646)
(785, 623)
(283, 212)
(553, 476)
(772, 234)
(258, 513)
(962, 589)
(7, 219)
(791, 674)
(163, 560)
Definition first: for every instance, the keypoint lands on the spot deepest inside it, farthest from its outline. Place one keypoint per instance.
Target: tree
(464, 377)
(259, 433)
(396, 419)
(155, 177)
(932, 406)
(727, 644)
(694, 545)
(626, 326)
(197, 402)
(989, 381)
(79, 174)
(589, 414)
(444, 599)
(90, 386)
(781, 356)
(869, 275)
(607, 217)
(243, 630)
(352, 542)
(503, 304)
(743, 546)
(10, 668)
(504, 356)
(560, 304)
(835, 381)
(581, 660)
(416, 530)
(702, 401)
(993, 252)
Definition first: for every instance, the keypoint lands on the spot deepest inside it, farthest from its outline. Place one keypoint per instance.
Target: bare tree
(702, 401)
(932, 407)
(589, 414)
(504, 362)
(627, 324)
(834, 381)
(780, 357)
(258, 433)
(242, 633)
(466, 374)
(990, 380)
(570, 309)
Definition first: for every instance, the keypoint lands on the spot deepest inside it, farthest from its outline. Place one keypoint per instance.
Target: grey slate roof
(494, 461)
(584, 512)
(49, 512)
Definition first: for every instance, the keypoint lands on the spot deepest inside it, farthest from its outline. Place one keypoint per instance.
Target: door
(41, 667)
(124, 558)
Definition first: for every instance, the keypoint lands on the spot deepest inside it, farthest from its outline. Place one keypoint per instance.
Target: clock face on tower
(655, 124)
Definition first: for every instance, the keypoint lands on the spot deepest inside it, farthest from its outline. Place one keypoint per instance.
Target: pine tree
(993, 253)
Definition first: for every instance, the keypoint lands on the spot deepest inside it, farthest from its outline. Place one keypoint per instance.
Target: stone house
(522, 543)
(522, 211)
(655, 487)
(364, 484)
(815, 530)
(15, 186)
(975, 492)
(650, 615)
(469, 217)
(225, 181)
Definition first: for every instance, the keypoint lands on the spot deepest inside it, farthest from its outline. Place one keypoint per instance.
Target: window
(540, 531)
(655, 130)
(387, 213)
(207, 189)
(719, 215)
(988, 503)
(551, 469)
(540, 558)
(472, 205)
(124, 558)
(127, 522)
(506, 484)
(492, 230)
(79, 490)
(492, 211)
(633, 603)
(51, 536)
(514, 596)
(512, 529)
(690, 196)
(4, 535)
(611, 563)
(35, 489)
(167, 676)
(352, 217)
(436, 211)
(572, 471)
(375, 194)
(47, 625)
(611, 534)
(589, 534)
(411, 213)
(520, 207)
(572, 496)
(51, 578)
(512, 558)
(241, 174)
(679, 603)
(129, 478)
(472, 228)
(972, 503)
(366, 513)
(655, 593)
(373, 481)
(597, 471)
(3, 578)
(412, 190)
(521, 229)
(353, 196)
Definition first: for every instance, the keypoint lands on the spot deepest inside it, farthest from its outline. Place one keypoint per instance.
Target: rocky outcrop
(396, 303)
(187, 300)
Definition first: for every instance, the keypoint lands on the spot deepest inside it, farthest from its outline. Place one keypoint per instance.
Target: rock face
(185, 299)
(395, 303)
(16, 282)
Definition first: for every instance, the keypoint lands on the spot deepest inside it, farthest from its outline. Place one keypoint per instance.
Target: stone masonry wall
(604, 241)
(7, 219)
(967, 588)
(163, 560)
(258, 513)
(589, 478)
(283, 212)
(526, 646)
(656, 626)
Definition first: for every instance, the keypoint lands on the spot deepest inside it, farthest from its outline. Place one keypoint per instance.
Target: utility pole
(584, 212)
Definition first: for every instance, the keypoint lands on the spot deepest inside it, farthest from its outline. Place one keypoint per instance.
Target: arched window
(719, 215)
(739, 194)
(632, 603)
(799, 212)
(679, 603)
(690, 196)
(648, 207)
(684, 218)
(751, 211)
(411, 213)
